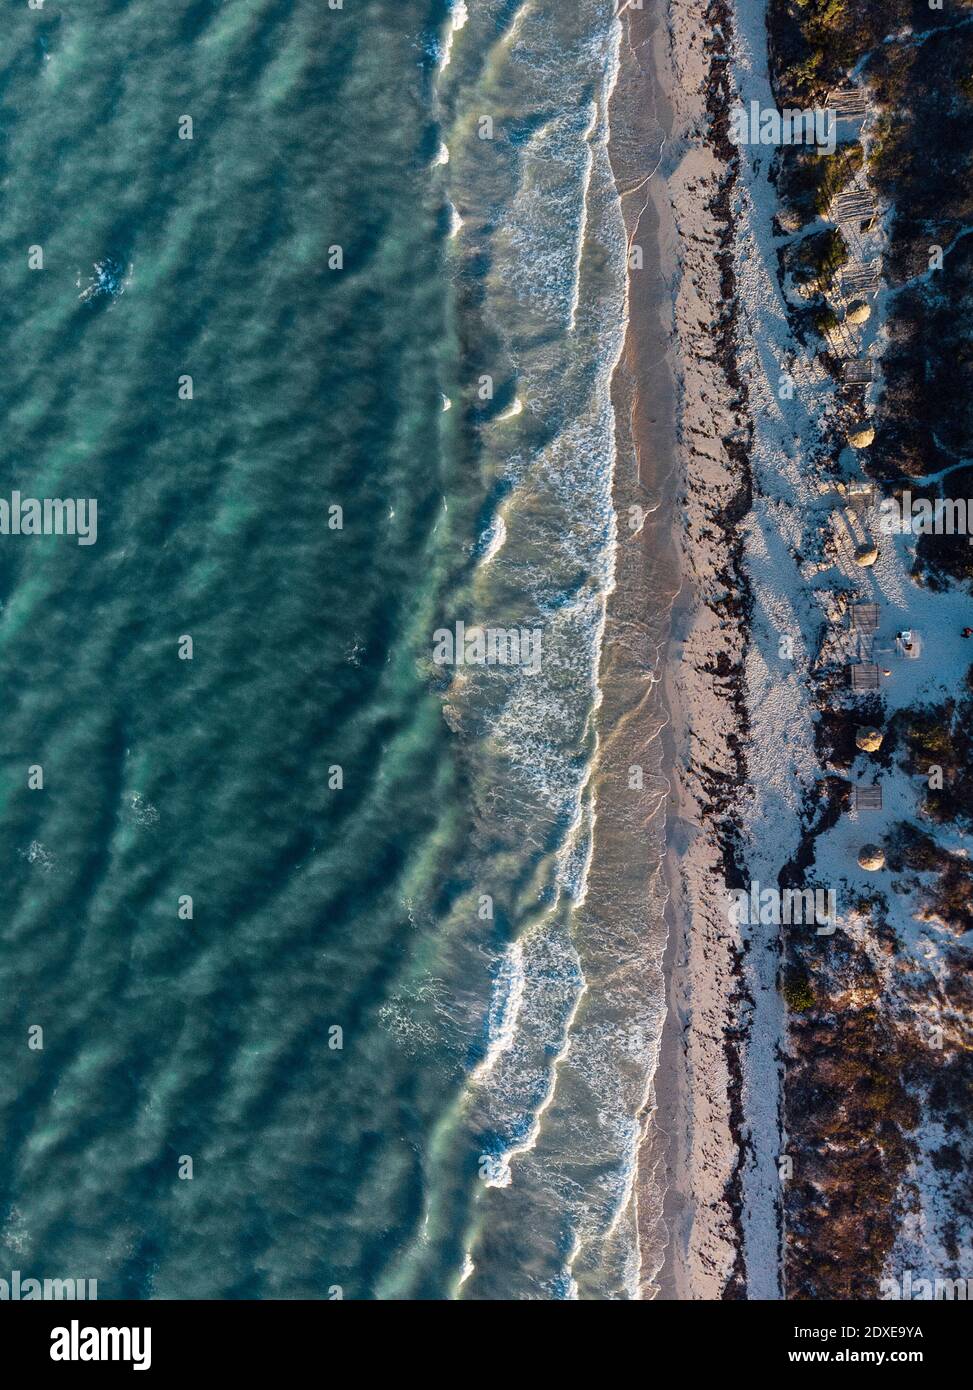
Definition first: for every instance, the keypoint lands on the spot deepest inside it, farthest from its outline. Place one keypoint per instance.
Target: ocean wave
(505, 1007)
(557, 298)
(524, 1077)
(109, 280)
(459, 14)
(491, 541)
(36, 853)
(469, 1268)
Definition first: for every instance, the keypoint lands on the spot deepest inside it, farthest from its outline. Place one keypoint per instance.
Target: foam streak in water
(458, 17)
(508, 999)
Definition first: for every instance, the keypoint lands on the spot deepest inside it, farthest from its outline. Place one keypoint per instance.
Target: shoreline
(696, 1132)
(690, 1153)
(647, 570)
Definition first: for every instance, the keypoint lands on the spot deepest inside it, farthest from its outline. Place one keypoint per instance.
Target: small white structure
(909, 643)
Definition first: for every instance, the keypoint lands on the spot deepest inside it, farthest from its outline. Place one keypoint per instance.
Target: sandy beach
(691, 1146)
(677, 371)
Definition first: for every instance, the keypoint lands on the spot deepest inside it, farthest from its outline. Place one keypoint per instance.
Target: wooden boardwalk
(856, 279)
(858, 371)
(867, 798)
(848, 103)
(863, 676)
(865, 617)
(854, 205)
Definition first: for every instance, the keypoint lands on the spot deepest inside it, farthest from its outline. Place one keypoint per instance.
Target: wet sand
(648, 568)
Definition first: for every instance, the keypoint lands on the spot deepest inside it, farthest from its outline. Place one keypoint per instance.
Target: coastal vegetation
(947, 895)
(938, 747)
(919, 160)
(861, 1075)
(814, 260)
(808, 180)
(798, 994)
(849, 1107)
(815, 42)
(825, 319)
(941, 558)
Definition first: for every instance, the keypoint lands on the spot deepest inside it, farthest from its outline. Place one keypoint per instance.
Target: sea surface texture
(391, 260)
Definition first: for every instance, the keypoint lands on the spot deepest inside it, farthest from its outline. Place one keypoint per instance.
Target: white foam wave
(492, 539)
(548, 1051)
(468, 1269)
(583, 228)
(501, 1172)
(457, 20)
(508, 1000)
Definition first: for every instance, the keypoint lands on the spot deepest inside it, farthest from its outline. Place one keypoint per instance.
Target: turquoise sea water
(330, 282)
